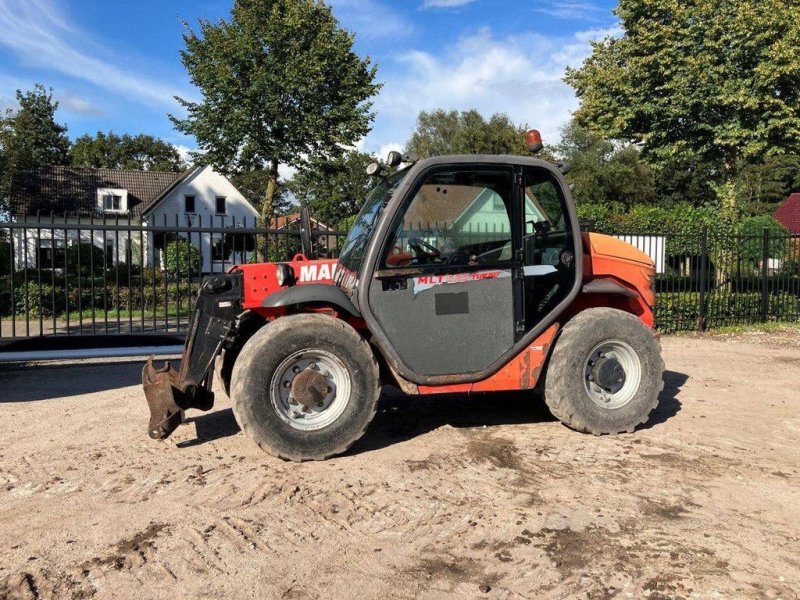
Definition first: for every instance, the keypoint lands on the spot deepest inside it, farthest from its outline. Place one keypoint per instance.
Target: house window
(52, 254)
(112, 202)
(110, 248)
(189, 200)
(220, 205)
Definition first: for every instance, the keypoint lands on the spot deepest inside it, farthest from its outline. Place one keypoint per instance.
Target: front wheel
(605, 372)
(305, 387)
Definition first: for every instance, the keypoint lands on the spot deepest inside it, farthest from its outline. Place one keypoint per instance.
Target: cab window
(456, 217)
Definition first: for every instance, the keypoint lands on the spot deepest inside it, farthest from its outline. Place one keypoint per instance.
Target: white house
(61, 205)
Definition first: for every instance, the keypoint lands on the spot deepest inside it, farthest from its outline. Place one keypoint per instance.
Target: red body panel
(261, 280)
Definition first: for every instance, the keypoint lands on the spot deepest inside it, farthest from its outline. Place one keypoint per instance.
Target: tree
(30, 138)
(709, 85)
(280, 83)
(441, 132)
(604, 172)
(252, 184)
(334, 189)
(111, 151)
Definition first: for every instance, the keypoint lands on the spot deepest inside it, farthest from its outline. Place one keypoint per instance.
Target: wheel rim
(612, 374)
(310, 389)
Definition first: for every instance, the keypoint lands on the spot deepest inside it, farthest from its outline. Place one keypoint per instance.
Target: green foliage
(604, 172)
(30, 138)
(139, 152)
(280, 83)
(5, 256)
(705, 87)
(678, 311)
(181, 259)
(334, 189)
(441, 132)
(45, 300)
(752, 245)
(92, 259)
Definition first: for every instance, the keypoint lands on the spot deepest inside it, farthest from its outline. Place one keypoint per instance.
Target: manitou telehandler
(460, 274)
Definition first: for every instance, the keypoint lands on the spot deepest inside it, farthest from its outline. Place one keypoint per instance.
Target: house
(788, 214)
(324, 244)
(51, 197)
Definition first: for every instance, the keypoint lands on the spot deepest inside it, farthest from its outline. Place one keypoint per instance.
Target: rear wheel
(305, 387)
(605, 372)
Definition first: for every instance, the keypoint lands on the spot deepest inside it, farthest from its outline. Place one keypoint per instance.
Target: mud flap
(169, 392)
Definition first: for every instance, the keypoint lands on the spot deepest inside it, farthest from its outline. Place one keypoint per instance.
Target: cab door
(443, 291)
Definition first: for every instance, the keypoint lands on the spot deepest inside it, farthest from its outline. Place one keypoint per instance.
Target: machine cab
(458, 263)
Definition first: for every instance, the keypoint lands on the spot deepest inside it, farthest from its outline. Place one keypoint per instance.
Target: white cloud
(78, 105)
(42, 37)
(569, 9)
(371, 18)
(445, 3)
(521, 76)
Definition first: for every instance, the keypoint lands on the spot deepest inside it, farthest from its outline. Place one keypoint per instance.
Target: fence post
(765, 278)
(701, 322)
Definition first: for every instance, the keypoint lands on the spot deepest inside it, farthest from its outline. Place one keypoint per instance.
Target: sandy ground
(468, 497)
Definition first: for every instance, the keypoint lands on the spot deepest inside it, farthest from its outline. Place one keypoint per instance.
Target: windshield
(355, 245)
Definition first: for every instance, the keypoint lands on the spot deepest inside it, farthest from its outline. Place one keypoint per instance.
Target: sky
(115, 66)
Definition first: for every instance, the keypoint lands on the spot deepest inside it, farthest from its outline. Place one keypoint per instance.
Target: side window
(457, 217)
(549, 245)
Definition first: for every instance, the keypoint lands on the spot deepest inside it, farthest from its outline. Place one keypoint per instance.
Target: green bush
(102, 298)
(5, 257)
(677, 311)
(39, 300)
(751, 246)
(86, 259)
(181, 259)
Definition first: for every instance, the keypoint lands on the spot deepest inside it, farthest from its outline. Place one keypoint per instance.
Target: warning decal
(427, 282)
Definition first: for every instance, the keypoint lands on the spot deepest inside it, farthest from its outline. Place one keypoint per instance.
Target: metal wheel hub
(609, 374)
(310, 389)
(612, 374)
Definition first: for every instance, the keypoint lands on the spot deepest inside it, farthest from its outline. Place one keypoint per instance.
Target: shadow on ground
(31, 383)
(401, 418)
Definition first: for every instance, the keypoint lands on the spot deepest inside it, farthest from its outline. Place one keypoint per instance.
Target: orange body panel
(521, 373)
(606, 257)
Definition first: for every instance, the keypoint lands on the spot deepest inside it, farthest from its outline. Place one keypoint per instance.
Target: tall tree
(604, 172)
(451, 132)
(30, 137)
(280, 83)
(112, 151)
(708, 85)
(334, 189)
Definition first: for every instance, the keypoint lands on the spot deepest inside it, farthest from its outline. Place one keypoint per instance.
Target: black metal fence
(706, 281)
(75, 278)
(96, 277)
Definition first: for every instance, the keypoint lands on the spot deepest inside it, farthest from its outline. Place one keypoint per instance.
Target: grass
(759, 327)
(113, 314)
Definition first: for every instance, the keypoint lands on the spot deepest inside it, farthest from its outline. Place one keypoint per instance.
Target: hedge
(55, 299)
(676, 311)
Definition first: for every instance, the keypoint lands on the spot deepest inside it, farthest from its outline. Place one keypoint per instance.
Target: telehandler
(461, 274)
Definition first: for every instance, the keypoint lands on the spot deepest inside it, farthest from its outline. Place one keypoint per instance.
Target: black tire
(567, 381)
(263, 354)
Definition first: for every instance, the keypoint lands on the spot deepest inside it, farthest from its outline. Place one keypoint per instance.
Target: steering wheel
(421, 247)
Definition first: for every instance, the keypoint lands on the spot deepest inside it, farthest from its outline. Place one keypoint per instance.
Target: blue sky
(116, 66)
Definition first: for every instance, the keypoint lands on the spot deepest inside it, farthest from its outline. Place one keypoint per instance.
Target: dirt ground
(467, 497)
